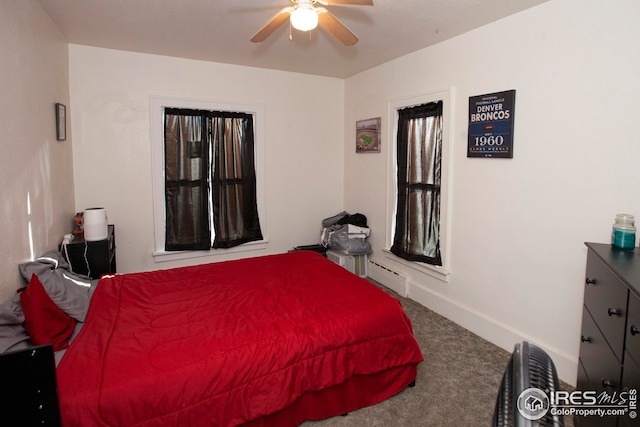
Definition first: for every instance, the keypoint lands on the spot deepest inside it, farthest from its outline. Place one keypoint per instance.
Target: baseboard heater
(388, 277)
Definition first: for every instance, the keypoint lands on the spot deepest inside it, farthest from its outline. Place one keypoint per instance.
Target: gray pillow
(69, 291)
(12, 333)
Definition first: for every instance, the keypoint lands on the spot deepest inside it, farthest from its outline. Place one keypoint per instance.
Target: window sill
(436, 272)
(163, 256)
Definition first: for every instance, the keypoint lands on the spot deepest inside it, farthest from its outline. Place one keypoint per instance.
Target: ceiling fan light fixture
(304, 18)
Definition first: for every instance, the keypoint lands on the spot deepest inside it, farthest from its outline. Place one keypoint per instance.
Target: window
(208, 177)
(419, 156)
(419, 173)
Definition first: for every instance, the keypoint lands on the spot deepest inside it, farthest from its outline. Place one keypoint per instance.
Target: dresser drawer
(605, 297)
(598, 360)
(633, 328)
(630, 374)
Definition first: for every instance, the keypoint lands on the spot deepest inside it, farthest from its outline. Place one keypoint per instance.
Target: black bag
(356, 219)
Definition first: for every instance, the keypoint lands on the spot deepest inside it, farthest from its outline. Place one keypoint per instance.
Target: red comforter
(228, 343)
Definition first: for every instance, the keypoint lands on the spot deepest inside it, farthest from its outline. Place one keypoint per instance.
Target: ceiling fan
(305, 16)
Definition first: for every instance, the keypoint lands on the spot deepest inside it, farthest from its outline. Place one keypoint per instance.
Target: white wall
(110, 93)
(34, 167)
(518, 225)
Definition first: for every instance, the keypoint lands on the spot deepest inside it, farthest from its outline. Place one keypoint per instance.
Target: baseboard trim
(493, 331)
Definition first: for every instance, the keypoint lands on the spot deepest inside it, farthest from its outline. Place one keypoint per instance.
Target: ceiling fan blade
(335, 27)
(272, 25)
(348, 2)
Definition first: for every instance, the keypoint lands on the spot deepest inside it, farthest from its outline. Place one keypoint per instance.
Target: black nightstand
(92, 259)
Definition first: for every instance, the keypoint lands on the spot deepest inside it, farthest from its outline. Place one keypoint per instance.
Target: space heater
(357, 264)
(95, 224)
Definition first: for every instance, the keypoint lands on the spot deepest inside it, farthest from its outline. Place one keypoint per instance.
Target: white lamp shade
(95, 224)
(304, 19)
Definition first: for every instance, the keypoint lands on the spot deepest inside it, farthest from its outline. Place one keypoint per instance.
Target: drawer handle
(585, 339)
(590, 281)
(608, 383)
(614, 312)
(634, 330)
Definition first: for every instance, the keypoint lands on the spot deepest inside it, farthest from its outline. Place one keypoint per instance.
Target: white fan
(305, 16)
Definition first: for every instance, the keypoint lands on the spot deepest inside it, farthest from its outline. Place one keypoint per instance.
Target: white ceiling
(219, 30)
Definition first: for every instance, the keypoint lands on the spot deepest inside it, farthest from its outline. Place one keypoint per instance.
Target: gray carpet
(457, 383)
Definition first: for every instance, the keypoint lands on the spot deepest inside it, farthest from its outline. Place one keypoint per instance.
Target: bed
(267, 341)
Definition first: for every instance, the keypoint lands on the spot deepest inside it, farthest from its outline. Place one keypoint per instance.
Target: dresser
(610, 337)
(28, 396)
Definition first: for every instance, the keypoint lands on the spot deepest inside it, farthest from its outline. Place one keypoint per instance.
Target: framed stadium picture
(368, 136)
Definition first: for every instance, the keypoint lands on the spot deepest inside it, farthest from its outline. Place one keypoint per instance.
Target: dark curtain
(419, 153)
(235, 211)
(186, 181)
(210, 179)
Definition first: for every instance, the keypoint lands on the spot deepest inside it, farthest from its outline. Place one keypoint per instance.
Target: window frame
(446, 96)
(156, 113)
